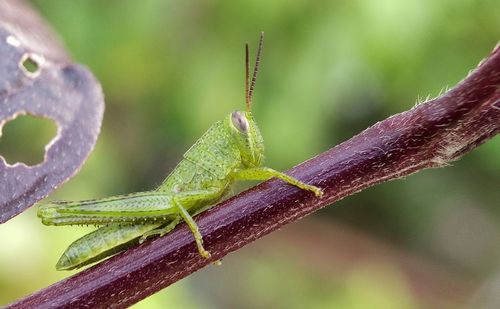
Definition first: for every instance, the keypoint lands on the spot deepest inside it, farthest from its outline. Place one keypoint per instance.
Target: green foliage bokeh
(169, 69)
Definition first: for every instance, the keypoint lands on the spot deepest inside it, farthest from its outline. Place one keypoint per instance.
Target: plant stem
(429, 135)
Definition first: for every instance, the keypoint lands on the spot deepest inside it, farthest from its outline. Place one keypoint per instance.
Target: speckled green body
(207, 164)
(232, 149)
(229, 150)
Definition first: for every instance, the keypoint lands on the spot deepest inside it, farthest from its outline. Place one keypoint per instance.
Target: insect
(231, 149)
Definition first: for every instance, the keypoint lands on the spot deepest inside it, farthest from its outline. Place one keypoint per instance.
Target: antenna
(250, 87)
(247, 73)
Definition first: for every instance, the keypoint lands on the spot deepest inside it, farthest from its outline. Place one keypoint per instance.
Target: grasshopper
(231, 149)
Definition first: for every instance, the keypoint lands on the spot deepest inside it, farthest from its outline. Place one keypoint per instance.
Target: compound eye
(240, 121)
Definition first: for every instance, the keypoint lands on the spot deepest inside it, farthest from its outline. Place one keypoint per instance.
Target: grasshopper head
(244, 130)
(247, 137)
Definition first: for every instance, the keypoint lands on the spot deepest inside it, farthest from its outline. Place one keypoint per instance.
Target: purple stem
(429, 135)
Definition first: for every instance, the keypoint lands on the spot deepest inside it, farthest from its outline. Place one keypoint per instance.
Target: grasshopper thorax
(247, 138)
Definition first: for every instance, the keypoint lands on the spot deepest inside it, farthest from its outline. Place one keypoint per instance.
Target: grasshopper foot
(317, 191)
(199, 243)
(204, 253)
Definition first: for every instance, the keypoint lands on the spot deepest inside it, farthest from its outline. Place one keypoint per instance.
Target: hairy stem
(429, 135)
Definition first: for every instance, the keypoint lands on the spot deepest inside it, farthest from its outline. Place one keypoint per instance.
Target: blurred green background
(169, 69)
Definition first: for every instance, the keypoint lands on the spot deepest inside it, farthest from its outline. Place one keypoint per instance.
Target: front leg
(265, 173)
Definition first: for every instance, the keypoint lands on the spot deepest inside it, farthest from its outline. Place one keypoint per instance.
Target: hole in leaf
(29, 65)
(23, 139)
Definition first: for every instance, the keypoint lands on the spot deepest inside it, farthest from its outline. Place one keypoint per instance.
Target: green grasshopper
(232, 149)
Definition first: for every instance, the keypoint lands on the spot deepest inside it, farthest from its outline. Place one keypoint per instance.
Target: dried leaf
(37, 78)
